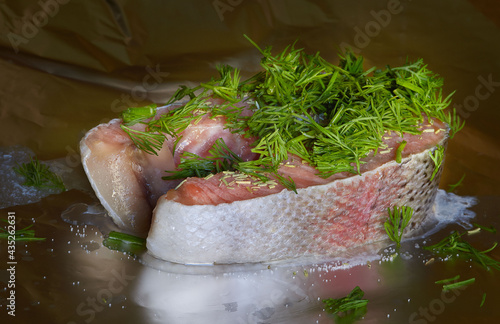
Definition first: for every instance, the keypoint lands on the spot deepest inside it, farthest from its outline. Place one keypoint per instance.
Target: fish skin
(319, 221)
(279, 225)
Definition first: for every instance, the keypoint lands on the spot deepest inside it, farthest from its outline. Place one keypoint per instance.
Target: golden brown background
(68, 65)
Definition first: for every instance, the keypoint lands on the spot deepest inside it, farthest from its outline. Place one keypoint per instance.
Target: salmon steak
(211, 220)
(303, 159)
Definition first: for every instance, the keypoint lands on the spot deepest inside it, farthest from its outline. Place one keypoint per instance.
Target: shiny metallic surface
(67, 66)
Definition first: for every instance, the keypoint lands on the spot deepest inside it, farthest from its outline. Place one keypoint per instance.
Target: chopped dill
(459, 284)
(398, 219)
(134, 115)
(349, 308)
(437, 156)
(146, 141)
(446, 281)
(483, 299)
(220, 158)
(125, 243)
(490, 229)
(331, 116)
(455, 245)
(452, 283)
(399, 151)
(38, 175)
(452, 187)
(25, 234)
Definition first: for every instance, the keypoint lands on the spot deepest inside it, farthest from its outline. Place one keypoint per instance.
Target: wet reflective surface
(72, 278)
(75, 73)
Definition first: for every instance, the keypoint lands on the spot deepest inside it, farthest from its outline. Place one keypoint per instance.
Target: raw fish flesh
(128, 181)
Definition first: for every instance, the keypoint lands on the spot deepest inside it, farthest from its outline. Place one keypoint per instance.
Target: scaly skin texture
(321, 220)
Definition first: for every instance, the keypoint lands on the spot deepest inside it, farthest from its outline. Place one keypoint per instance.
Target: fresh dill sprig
(38, 175)
(352, 307)
(144, 140)
(454, 244)
(182, 92)
(398, 219)
(483, 299)
(178, 119)
(331, 116)
(452, 119)
(459, 284)
(24, 234)
(150, 142)
(125, 243)
(452, 283)
(452, 187)
(490, 229)
(220, 158)
(399, 151)
(446, 281)
(437, 156)
(133, 115)
(227, 86)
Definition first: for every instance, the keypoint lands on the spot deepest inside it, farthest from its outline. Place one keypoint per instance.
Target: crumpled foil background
(68, 65)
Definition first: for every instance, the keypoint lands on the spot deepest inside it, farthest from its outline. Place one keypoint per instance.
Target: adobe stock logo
(104, 297)
(151, 81)
(483, 91)
(381, 19)
(31, 25)
(436, 307)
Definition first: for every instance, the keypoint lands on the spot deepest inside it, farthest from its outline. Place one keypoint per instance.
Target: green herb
(490, 229)
(134, 115)
(25, 234)
(38, 175)
(445, 281)
(220, 158)
(454, 244)
(483, 300)
(459, 284)
(146, 141)
(454, 122)
(452, 187)
(331, 116)
(125, 242)
(437, 156)
(226, 87)
(182, 92)
(347, 309)
(399, 151)
(398, 219)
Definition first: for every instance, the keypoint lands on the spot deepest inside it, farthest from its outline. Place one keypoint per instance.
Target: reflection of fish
(170, 293)
(224, 220)
(128, 181)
